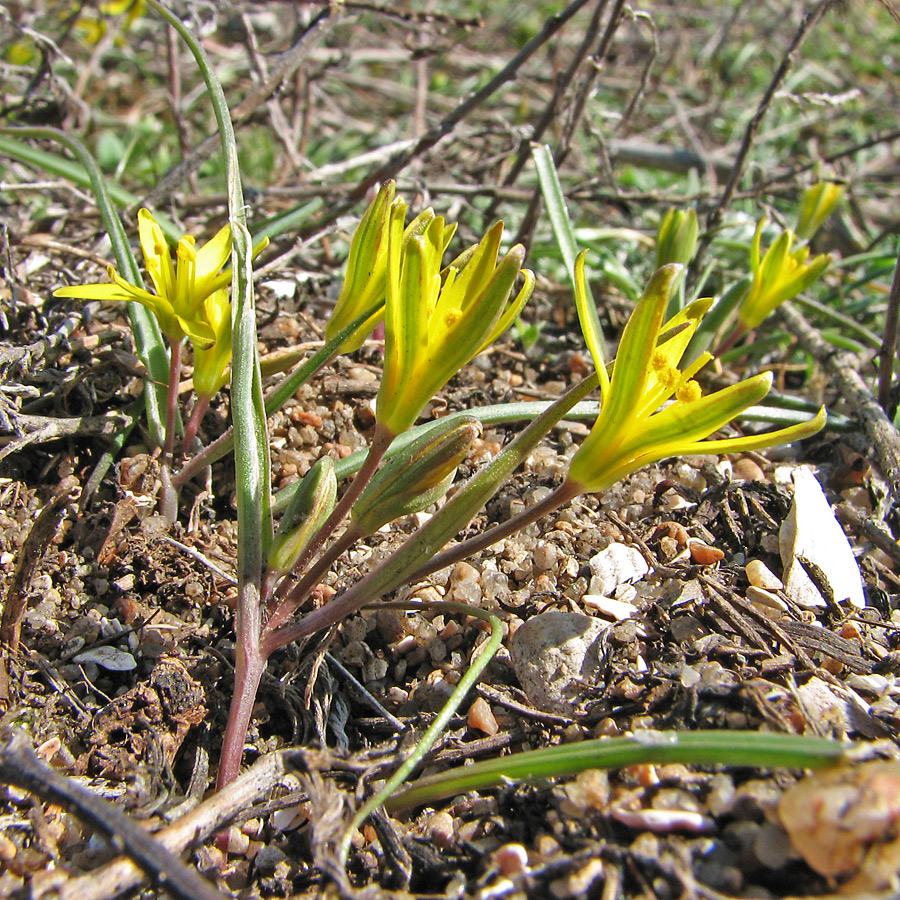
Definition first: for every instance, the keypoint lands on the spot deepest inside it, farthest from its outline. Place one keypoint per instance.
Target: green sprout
(676, 239)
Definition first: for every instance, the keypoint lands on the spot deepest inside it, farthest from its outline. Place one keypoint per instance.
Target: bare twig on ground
(205, 820)
(575, 114)
(20, 767)
(844, 369)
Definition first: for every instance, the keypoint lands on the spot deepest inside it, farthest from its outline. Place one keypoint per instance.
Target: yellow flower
(182, 287)
(365, 282)
(778, 276)
(211, 363)
(93, 28)
(650, 408)
(437, 320)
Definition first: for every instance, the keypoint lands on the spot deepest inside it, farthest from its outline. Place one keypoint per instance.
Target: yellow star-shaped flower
(181, 286)
(650, 408)
(437, 320)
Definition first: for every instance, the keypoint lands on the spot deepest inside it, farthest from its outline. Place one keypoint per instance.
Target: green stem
(399, 567)
(169, 498)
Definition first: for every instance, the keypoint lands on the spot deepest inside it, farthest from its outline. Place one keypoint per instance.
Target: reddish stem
(193, 425)
(249, 665)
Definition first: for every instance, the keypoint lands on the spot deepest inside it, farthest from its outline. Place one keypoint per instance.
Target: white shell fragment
(617, 564)
(557, 656)
(811, 531)
(108, 658)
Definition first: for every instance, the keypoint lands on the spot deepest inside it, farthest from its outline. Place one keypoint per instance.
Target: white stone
(811, 531)
(617, 564)
(555, 655)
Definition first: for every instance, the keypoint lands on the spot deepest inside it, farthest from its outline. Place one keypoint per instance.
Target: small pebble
(237, 842)
(481, 718)
(546, 556)
(746, 469)
(7, 849)
(511, 859)
(703, 554)
(761, 576)
(440, 829)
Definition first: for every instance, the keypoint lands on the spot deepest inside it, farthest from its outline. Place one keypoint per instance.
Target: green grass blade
(77, 174)
(707, 748)
(558, 215)
(147, 338)
(252, 468)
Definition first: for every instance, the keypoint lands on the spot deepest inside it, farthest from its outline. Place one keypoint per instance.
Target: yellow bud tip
(689, 392)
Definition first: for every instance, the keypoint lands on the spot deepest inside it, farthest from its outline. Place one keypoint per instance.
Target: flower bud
(676, 239)
(420, 474)
(307, 511)
(817, 204)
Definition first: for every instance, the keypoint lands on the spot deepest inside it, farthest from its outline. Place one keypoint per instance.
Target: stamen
(689, 392)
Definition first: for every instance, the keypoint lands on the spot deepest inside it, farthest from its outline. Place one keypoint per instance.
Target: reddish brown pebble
(674, 530)
(302, 417)
(850, 631)
(703, 554)
(481, 718)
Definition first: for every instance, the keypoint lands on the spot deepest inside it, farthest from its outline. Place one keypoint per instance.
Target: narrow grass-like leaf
(437, 727)
(565, 238)
(700, 748)
(147, 338)
(247, 407)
